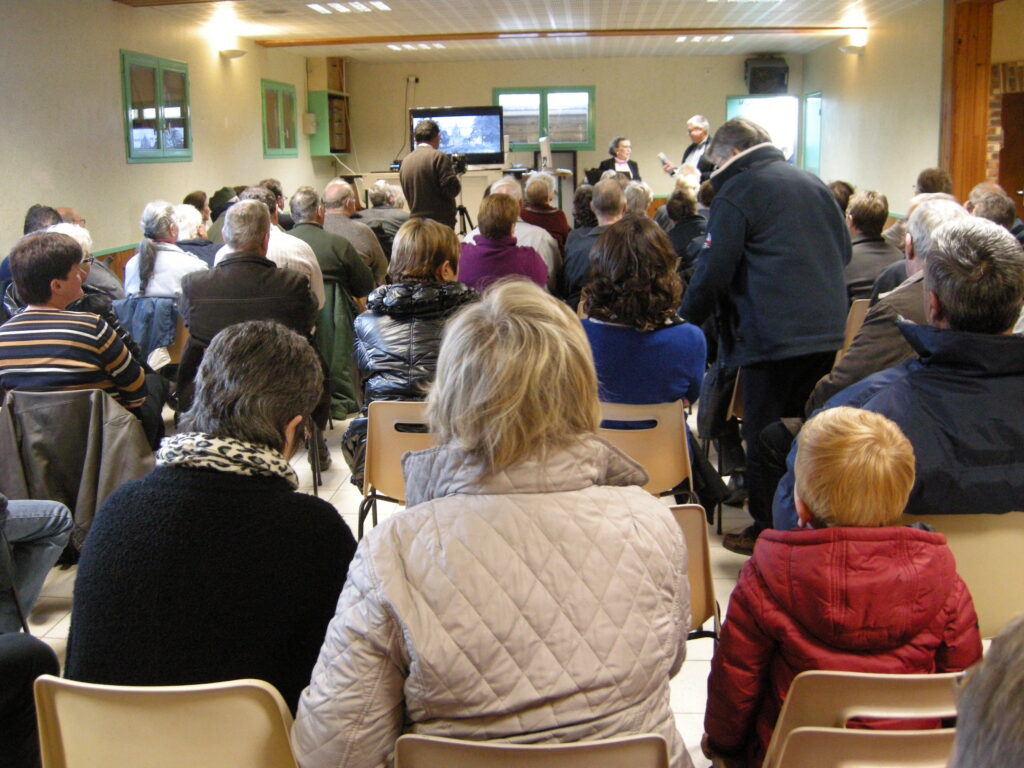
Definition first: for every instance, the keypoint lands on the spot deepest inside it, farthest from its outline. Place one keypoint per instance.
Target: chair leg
(718, 509)
(313, 451)
(364, 510)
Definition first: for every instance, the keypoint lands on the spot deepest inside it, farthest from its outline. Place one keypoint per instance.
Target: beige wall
(881, 109)
(62, 140)
(648, 100)
(1008, 31)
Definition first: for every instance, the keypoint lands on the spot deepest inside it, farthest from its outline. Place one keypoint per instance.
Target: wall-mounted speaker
(767, 74)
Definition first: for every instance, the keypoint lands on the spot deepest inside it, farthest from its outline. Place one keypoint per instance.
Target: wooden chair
(387, 438)
(659, 446)
(988, 558)
(820, 699)
(234, 724)
(842, 748)
(703, 605)
(641, 751)
(854, 320)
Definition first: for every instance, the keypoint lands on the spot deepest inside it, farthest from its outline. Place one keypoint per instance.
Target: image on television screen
(475, 132)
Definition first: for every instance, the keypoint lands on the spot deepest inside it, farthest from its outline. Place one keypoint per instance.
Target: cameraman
(429, 180)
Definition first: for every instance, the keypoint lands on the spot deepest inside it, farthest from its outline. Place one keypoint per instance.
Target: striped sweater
(60, 349)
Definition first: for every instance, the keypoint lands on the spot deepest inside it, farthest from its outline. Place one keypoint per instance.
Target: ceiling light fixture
(727, 38)
(395, 47)
(231, 53)
(409, 46)
(516, 35)
(424, 46)
(317, 7)
(698, 38)
(681, 39)
(439, 45)
(340, 8)
(380, 6)
(566, 34)
(359, 7)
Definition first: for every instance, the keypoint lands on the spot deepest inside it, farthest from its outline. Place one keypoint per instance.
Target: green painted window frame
(160, 154)
(280, 89)
(562, 146)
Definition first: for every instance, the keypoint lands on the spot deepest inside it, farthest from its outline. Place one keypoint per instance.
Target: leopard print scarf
(224, 454)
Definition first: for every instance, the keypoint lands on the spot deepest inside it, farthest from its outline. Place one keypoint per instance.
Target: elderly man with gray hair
(527, 235)
(386, 216)
(957, 403)
(340, 207)
(346, 278)
(695, 159)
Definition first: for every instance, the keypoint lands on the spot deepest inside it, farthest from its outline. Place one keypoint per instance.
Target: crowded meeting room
(394, 383)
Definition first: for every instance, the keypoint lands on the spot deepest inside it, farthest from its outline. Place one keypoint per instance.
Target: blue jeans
(38, 532)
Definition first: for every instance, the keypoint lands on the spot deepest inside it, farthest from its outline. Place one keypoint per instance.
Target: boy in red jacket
(855, 592)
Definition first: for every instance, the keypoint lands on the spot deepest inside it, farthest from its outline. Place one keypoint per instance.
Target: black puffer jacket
(396, 344)
(398, 338)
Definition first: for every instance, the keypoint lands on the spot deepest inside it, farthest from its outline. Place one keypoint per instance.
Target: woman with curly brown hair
(643, 351)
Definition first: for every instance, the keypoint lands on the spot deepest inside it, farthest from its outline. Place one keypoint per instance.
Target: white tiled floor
(51, 617)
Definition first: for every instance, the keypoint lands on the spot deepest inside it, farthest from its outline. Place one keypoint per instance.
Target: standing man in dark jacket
(346, 277)
(245, 285)
(429, 181)
(772, 270)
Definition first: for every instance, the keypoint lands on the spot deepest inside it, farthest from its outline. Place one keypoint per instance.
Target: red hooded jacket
(884, 600)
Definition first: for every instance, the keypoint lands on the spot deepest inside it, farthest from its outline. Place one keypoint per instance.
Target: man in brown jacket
(429, 181)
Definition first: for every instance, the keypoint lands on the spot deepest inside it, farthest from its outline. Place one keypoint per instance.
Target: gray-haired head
(255, 377)
(338, 193)
(998, 208)
(928, 212)
(380, 194)
(264, 195)
(613, 145)
(540, 188)
(989, 725)
(304, 204)
(79, 234)
(507, 185)
(189, 220)
(975, 268)
(699, 121)
(157, 220)
(638, 198)
(978, 191)
(738, 134)
(246, 225)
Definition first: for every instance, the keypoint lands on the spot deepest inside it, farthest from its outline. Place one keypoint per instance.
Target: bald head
(339, 198)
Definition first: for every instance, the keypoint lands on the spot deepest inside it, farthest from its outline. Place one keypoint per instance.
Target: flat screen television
(475, 132)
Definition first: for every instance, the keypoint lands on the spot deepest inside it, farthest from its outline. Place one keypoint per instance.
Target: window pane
(288, 118)
(273, 122)
(522, 116)
(568, 115)
(175, 111)
(142, 111)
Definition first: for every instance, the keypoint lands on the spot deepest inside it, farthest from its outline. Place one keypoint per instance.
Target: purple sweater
(487, 260)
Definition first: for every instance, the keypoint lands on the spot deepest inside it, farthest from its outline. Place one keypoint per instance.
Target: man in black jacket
(772, 270)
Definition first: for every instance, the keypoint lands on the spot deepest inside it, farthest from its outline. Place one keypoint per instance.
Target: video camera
(459, 163)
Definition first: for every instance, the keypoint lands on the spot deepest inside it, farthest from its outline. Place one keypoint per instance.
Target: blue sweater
(645, 367)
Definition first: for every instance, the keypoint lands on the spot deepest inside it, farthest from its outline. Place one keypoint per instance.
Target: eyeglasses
(87, 261)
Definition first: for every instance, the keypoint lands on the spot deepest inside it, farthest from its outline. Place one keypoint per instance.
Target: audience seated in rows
(494, 253)
(213, 567)
(346, 278)
(159, 265)
(286, 251)
(929, 181)
(340, 204)
(812, 599)
(450, 645)
(398, 337)
(283, 220)
(538, 209)
(46, 346)
(956, 402)
(609, 206)
(865, 217)
(386, 215)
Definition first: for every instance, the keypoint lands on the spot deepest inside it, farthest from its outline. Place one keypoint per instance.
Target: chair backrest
(841, 748)
(736, 399)
(988, 558)
(234, 724)
(177, 347)
(854, 320)
(386, 442)
(821, 699)
(639, 751)
(659, 448)
(692, 520)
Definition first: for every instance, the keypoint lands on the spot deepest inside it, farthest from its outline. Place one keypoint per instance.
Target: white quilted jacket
(547, 603)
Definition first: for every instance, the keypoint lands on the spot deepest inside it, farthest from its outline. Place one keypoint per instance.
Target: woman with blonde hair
(398, 337)
(532, 592)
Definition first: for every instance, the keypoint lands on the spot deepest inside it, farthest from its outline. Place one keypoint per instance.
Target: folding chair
(638, 751)
(234, 724)
(703, 605)
(854, 320)
(842, 748)
(389, 434)
(655, 437)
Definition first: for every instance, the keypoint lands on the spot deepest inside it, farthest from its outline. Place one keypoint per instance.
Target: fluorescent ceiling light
(681, 39)
(566, 34)
(380, 6)
(698, 38)
(360, 7)
(340, 8)
(395, 47)
(317, 7)
(727, 38)
(424, 46)
(516, 35)
(439, 45)
(409, 46)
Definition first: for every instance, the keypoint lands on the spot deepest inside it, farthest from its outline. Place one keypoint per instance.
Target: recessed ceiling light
(409, 46)
(698, 38)
(439, 45)
(712, 38)
(395, 47)
(317, 7)
(380, 6)
(424, 46)
(360, 7)
(727, 38)
(340, 8)
(681, 39)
